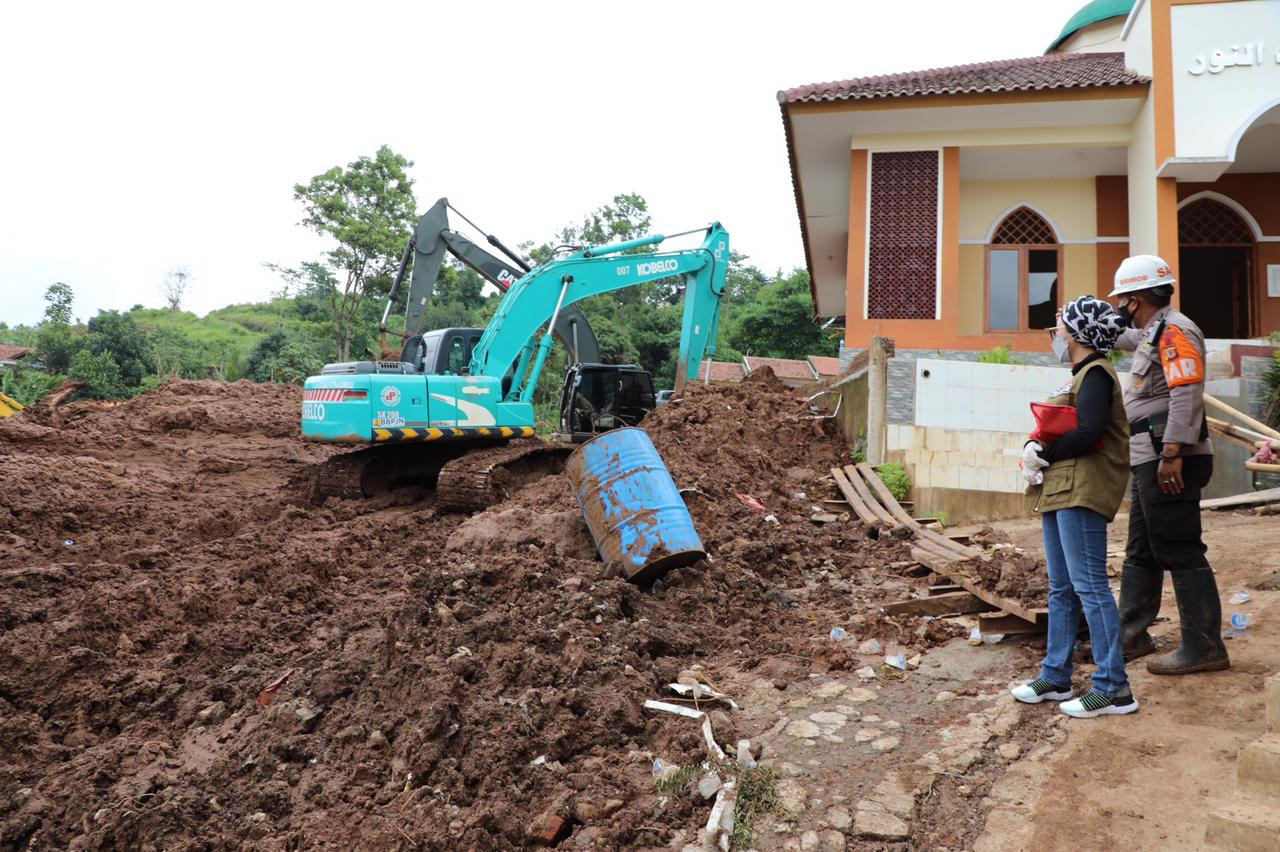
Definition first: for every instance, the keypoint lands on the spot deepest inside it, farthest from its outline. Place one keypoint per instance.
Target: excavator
(457, 406)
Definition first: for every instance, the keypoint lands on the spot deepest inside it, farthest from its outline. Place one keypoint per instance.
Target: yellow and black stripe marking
(450, 434)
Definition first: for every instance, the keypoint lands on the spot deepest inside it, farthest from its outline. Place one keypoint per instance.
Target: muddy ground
(459, 682)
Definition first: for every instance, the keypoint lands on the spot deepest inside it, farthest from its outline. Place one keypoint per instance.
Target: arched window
(1206, 222)
(1024, 266)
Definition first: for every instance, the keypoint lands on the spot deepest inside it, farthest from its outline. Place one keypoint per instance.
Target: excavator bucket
(9, 406)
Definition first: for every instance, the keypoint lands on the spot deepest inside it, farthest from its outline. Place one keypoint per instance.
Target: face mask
(1125, 315)
(1060, 349)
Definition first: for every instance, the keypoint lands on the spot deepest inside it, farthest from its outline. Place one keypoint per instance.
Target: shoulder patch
(1183, 364)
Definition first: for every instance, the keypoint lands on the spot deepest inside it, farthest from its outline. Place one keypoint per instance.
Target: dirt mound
(455, 683)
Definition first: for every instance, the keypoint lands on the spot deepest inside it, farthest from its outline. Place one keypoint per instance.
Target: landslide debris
(456, 682)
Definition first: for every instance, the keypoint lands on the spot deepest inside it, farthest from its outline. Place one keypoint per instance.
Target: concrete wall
(1069, 204)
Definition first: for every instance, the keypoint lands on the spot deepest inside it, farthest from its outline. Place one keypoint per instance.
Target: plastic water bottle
(1241, 620)
(836, 634)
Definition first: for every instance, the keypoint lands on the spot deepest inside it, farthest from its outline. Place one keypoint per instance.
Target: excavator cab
(443, 352)
(600, 397)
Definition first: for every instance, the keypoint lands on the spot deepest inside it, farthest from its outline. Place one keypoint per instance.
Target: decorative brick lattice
(902, 267)
(1024, 226)
(1205, 222)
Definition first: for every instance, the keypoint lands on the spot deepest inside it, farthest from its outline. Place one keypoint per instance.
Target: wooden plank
(948, 568)
(1255, 425)
(942, 587)
(1008, 623)
(874, 505)
(951, 603)
(1253, 498)
(1230, 437)
(1262, 468)
(882, 491)
(842, 482)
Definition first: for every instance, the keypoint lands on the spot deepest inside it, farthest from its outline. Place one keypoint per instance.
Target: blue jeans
(1075, 546)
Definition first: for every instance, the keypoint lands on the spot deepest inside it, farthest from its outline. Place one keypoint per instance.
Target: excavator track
(375, 470)
(487, 476)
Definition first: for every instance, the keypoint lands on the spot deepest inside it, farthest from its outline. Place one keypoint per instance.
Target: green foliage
(757, 795)
(59, 297)
(895, 478)
(778, 322)
(18, 335)
(279, 357)
(56, 343)
(119, 336)
(367, 211)
(26, 385)
(999, 355)
(100, 373)
(678, 781)
(1271, 378)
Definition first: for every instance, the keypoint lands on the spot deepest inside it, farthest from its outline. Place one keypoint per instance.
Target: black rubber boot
(1200, 614)
(1140, 590)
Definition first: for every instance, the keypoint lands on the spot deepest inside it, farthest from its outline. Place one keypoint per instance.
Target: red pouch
(1054, 421)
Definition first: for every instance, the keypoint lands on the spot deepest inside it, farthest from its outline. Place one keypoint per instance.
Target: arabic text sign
(1218, 60)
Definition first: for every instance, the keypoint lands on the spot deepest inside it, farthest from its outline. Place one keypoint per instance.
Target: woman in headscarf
(1077, 482)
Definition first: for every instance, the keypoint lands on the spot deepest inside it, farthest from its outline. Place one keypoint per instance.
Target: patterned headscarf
(1092, 322)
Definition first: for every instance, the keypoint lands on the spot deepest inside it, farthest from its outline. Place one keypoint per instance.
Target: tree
(100, 373)
(56, 345)
(367, 209)
(625, 219)
(778, 323)
(118, 336)
(174, 285)
(280, 357)
(59, 297)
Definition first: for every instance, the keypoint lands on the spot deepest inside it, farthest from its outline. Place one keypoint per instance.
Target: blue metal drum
(632, 507)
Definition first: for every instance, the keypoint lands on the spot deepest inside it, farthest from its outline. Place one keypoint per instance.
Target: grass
(678, 780)
(896, 479)
(757, 794)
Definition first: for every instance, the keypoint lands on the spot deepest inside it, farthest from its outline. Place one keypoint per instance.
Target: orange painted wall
(1112, 194)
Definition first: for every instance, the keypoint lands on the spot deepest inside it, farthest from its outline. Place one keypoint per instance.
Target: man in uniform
(1171, 458)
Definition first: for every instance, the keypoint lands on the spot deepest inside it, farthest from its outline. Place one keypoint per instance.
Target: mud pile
(454, 683)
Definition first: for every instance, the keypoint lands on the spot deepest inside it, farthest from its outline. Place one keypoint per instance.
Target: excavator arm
(432, 240)
(544, 295)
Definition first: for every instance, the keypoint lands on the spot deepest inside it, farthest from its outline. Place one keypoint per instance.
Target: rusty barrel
(632, 506)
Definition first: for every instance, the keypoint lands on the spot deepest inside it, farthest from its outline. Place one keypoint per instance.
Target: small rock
(213, 714)
(791, 796)
(858, 694)
(258, 817)
(866, 673)
(828, 717)
(23, 795)
(802, 728)
(829, 690)
(964, 790)
(586, 837)
(877, 823)
(892, 725)
(629, 669)
(886, 743)
(872, 719)
(377, 739)
(1010, 751)
(945, 695)
(839, 818)
(611, 806)
(831, 841)
(866, 735)
(101, 814)
(809, 841)
(708, 786)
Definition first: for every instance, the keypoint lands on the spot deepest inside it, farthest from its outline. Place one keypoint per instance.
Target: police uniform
(1164, 402)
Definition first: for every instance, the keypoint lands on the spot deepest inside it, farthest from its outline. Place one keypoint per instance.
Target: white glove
(1031, 456)
(1032, 464)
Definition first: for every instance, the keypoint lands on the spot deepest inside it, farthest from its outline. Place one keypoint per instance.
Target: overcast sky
(136, 137)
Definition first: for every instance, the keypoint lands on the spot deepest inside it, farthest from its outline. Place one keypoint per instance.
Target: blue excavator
(457, 409)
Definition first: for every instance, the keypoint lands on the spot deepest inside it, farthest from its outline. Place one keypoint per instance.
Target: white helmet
(1141, 272)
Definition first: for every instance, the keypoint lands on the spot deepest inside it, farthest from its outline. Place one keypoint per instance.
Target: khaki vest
(1097, 479)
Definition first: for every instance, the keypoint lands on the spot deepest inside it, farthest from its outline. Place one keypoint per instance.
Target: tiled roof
(824, 365)
(783, 368)
(721, 371)
(1055, 71)
(9, 352)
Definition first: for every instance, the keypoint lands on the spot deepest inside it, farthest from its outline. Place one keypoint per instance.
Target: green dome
(1092, 13)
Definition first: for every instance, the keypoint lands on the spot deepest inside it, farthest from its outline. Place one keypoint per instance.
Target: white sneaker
(1035, 691)
(1094, 703)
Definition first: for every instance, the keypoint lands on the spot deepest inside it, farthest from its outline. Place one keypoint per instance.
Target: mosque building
(957, 208)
